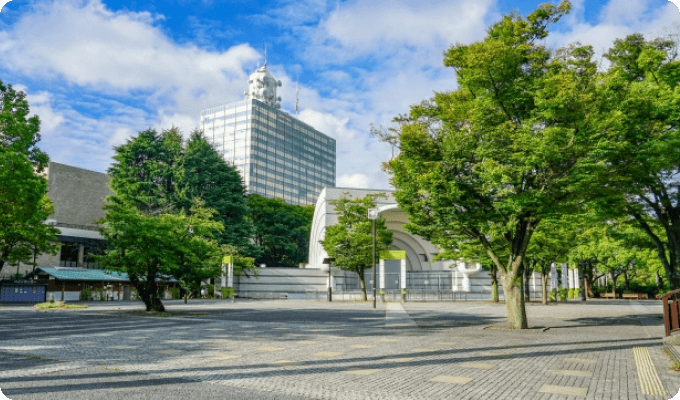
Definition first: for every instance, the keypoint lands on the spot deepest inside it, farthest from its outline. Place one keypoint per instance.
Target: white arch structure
(419, 252)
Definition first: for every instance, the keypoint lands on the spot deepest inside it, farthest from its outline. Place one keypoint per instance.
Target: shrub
(577, 293)
(86, 294)
(563, 294)
(570, 293)
(102, 295)
(552, 294)
(227, 292)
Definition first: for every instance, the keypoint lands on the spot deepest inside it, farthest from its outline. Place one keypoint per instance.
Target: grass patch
(56, 306)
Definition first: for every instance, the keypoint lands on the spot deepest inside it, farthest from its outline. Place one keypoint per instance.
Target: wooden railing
(671, 311)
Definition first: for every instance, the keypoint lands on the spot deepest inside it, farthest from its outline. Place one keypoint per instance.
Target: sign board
(230, 277)
(227, 259)
(393, 255)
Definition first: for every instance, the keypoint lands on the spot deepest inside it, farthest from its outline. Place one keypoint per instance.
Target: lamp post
(327, 261)
(373, 214)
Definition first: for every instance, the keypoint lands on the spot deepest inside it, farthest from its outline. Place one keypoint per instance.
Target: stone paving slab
(318, 362)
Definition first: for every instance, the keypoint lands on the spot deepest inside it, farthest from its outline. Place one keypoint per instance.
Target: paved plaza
(295, 349)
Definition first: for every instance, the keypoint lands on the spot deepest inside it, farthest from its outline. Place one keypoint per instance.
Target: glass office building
(276, 154)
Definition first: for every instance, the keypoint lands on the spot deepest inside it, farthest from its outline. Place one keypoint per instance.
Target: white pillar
(565, 276)
(230, 276)
(382, 274)
(571, 278)
(553, 276)
(576, 285)
(402, 280)
(533, 282)
(224, 275)
(466, 280)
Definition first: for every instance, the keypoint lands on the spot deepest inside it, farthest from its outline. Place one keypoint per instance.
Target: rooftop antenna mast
(265, 54)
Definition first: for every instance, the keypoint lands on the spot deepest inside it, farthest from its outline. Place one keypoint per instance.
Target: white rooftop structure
(262, 87)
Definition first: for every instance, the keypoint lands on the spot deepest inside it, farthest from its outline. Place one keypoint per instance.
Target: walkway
(307, 349)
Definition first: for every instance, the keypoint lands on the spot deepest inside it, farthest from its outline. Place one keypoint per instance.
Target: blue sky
(98, 71)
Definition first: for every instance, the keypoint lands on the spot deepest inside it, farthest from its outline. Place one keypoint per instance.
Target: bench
(607, 295)
(635, 296)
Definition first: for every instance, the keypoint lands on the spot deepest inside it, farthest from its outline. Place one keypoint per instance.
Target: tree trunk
(512, 290)
(614, 284)
(544, 287)
(659, 280)
(527, 290)
(494, 284)
(362, 283)
(148, 292)
(625, 277)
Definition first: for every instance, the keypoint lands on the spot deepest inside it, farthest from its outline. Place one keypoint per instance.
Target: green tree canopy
(350, 241)
(206, 176)
(639, 101)
(510, 147)
(150, 235)
(24, 205)
(281, 231)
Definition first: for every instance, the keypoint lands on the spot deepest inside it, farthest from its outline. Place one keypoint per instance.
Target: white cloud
(365, 26)
(358, 181)
(329, 124)
(120, 136)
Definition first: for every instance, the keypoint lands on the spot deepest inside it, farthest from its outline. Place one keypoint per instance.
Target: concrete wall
(275, 282)
(78, 194)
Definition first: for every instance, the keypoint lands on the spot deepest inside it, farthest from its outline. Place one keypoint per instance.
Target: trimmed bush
(570, 293)
(563, 294)
(227, 292)
(552, 294)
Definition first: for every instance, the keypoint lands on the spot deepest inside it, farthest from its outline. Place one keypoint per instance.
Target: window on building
(69, 255)
(89, 253)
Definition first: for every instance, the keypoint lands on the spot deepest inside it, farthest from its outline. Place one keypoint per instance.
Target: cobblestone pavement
(316, 350)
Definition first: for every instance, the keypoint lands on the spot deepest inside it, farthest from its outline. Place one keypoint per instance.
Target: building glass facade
(277, 155)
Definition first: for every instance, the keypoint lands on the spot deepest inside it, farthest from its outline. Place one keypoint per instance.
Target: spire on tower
(265, 54)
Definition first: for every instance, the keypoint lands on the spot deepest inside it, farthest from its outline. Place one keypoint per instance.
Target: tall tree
(150, 236)
(24, 205)
(512, 146)
(640, 99)
(350, 241)
(206, 176)
(281, 231)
